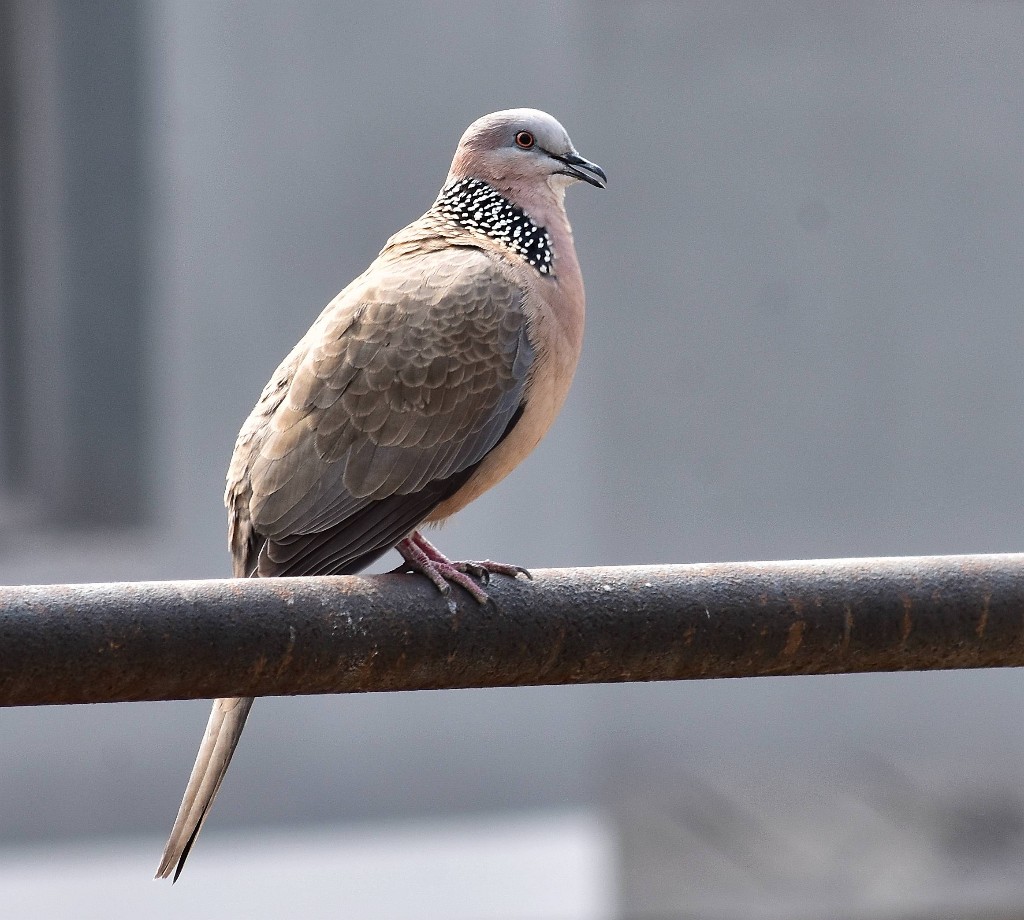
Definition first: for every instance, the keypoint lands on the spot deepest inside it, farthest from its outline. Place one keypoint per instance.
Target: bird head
(522, 148)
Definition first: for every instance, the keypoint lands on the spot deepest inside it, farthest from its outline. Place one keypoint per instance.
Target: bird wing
(384, 409)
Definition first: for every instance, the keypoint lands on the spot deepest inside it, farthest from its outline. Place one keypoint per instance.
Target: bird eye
(524, 139)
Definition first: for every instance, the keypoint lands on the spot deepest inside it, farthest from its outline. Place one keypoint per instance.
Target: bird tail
(222, 733)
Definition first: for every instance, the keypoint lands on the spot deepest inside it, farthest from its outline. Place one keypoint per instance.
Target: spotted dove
(420, 386)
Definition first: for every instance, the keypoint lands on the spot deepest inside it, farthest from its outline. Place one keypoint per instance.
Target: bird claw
(486, 568)
(503, 568)
(422, 556)
(474, 570)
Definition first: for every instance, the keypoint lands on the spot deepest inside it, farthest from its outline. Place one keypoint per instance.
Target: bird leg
(422, 556)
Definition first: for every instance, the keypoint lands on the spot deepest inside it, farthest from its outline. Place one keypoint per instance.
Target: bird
(419, 387)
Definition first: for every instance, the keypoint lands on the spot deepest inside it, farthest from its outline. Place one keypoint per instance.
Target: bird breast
(555, 307)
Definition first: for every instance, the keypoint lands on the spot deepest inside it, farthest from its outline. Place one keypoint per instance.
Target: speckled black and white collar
(479, 209)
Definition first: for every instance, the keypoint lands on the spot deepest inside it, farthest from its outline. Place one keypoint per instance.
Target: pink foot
(422, 556)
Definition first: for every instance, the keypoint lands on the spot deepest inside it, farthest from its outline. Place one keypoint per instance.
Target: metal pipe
(252, 637)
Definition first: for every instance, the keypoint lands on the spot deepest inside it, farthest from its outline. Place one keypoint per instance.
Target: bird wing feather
(384, 409)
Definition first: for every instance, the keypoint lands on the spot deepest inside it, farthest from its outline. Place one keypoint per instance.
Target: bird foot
(422, 556)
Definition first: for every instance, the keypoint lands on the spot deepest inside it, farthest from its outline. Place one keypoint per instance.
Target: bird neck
(487, 211)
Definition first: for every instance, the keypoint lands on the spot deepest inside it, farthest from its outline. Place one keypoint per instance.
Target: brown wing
(384, 409)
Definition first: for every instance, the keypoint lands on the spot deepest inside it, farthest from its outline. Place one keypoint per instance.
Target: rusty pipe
(191, 639)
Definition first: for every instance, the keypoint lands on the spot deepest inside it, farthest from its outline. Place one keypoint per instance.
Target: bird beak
(579, 168)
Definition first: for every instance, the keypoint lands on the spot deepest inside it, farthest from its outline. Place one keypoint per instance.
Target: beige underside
(548, 389)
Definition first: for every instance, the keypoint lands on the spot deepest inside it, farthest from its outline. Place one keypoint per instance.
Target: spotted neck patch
(482, 211)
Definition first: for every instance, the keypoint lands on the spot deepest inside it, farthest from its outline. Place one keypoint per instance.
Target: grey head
(518, 148)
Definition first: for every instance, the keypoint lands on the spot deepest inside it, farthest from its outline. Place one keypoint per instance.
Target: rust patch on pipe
(907, 623)
(979, 630)
(847, 629)
(794, 638)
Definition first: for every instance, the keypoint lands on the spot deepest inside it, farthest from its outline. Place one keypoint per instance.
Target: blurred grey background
(804, 340)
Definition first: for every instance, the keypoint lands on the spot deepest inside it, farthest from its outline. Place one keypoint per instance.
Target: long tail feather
(222, 733)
